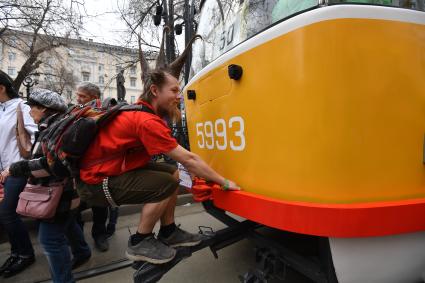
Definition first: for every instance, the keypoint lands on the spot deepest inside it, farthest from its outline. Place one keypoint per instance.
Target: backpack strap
(115, 110)
(102, 160)
(112, 112)
(133, 107)
(111, 157)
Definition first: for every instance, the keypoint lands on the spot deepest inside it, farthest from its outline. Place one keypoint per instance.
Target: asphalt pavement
(202, 267)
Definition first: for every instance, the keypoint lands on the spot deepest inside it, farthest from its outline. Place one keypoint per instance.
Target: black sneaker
(19, 265)
(77, 262)
(150, 250)
(181, 238)
(101, 243)
(8, 263)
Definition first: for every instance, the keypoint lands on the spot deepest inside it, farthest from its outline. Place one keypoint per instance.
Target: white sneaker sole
(147, 259)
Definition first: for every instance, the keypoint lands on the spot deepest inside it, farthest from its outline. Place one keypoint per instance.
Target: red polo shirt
(137, 135)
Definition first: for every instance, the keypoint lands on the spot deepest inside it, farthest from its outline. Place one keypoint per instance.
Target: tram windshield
(225, 23)
(408, 4)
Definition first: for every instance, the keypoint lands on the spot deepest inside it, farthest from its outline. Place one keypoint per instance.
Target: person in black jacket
(89, 94)
(54, 234)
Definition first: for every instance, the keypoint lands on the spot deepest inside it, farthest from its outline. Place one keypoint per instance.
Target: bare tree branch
(36, 27)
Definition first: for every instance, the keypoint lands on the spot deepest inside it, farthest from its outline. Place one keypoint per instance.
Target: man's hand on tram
(229, 185)
(196, 166)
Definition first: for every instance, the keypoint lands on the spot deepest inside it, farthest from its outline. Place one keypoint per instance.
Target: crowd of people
(129, 176)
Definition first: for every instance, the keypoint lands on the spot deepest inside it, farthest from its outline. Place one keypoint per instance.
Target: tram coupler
(268, 266)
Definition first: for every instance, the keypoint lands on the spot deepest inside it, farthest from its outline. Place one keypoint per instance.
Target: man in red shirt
(116, 170)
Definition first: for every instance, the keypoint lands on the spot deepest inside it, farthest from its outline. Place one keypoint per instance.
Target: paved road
(201, 267)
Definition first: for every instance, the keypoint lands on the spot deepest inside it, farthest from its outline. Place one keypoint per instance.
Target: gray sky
(103, 24)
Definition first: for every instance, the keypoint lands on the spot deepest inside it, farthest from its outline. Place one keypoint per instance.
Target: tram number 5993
(216, 135)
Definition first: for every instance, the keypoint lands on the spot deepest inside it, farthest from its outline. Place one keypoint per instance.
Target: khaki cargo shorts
(148, 184)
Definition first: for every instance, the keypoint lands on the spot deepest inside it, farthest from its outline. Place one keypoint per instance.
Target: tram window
(286, 8)
(408, 4)
(219, 27)
(258, 16)
(226, 23)
(376, 2)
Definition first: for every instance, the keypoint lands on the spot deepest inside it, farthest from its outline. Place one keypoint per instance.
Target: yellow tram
(317, 110)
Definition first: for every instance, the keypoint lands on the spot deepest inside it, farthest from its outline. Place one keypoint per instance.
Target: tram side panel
(328, 114)
(331, 112)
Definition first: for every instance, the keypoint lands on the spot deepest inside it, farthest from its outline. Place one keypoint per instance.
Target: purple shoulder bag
(40, 202)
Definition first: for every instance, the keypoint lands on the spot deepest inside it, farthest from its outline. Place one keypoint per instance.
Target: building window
(86, 77)
(101, 67)
(132, 99)
(101, 80)
(49, 64)
(133, 82)
(12, 56)
(12, 41)
(71, 52)
(133, 70)
(85, 68)
(11, 71)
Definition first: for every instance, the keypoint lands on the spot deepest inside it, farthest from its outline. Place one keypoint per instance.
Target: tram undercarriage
(276, 251)
(394, 258)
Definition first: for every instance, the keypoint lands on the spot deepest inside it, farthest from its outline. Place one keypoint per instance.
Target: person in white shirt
(22, 252)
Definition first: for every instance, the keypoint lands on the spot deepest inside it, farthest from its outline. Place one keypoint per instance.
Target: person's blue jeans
(17, 232)
(54, 239)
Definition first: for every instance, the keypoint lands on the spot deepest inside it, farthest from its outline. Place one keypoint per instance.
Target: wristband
(226, 185)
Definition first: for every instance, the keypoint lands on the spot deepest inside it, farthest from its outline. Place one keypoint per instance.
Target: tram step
(148, 273)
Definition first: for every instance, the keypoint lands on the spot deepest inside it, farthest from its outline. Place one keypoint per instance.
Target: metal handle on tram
(235, 72)
(191, 94)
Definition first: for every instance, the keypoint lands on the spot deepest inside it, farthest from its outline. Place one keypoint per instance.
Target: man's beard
(172, 114)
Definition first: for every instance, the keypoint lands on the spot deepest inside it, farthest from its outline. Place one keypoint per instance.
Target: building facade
(64, 67)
